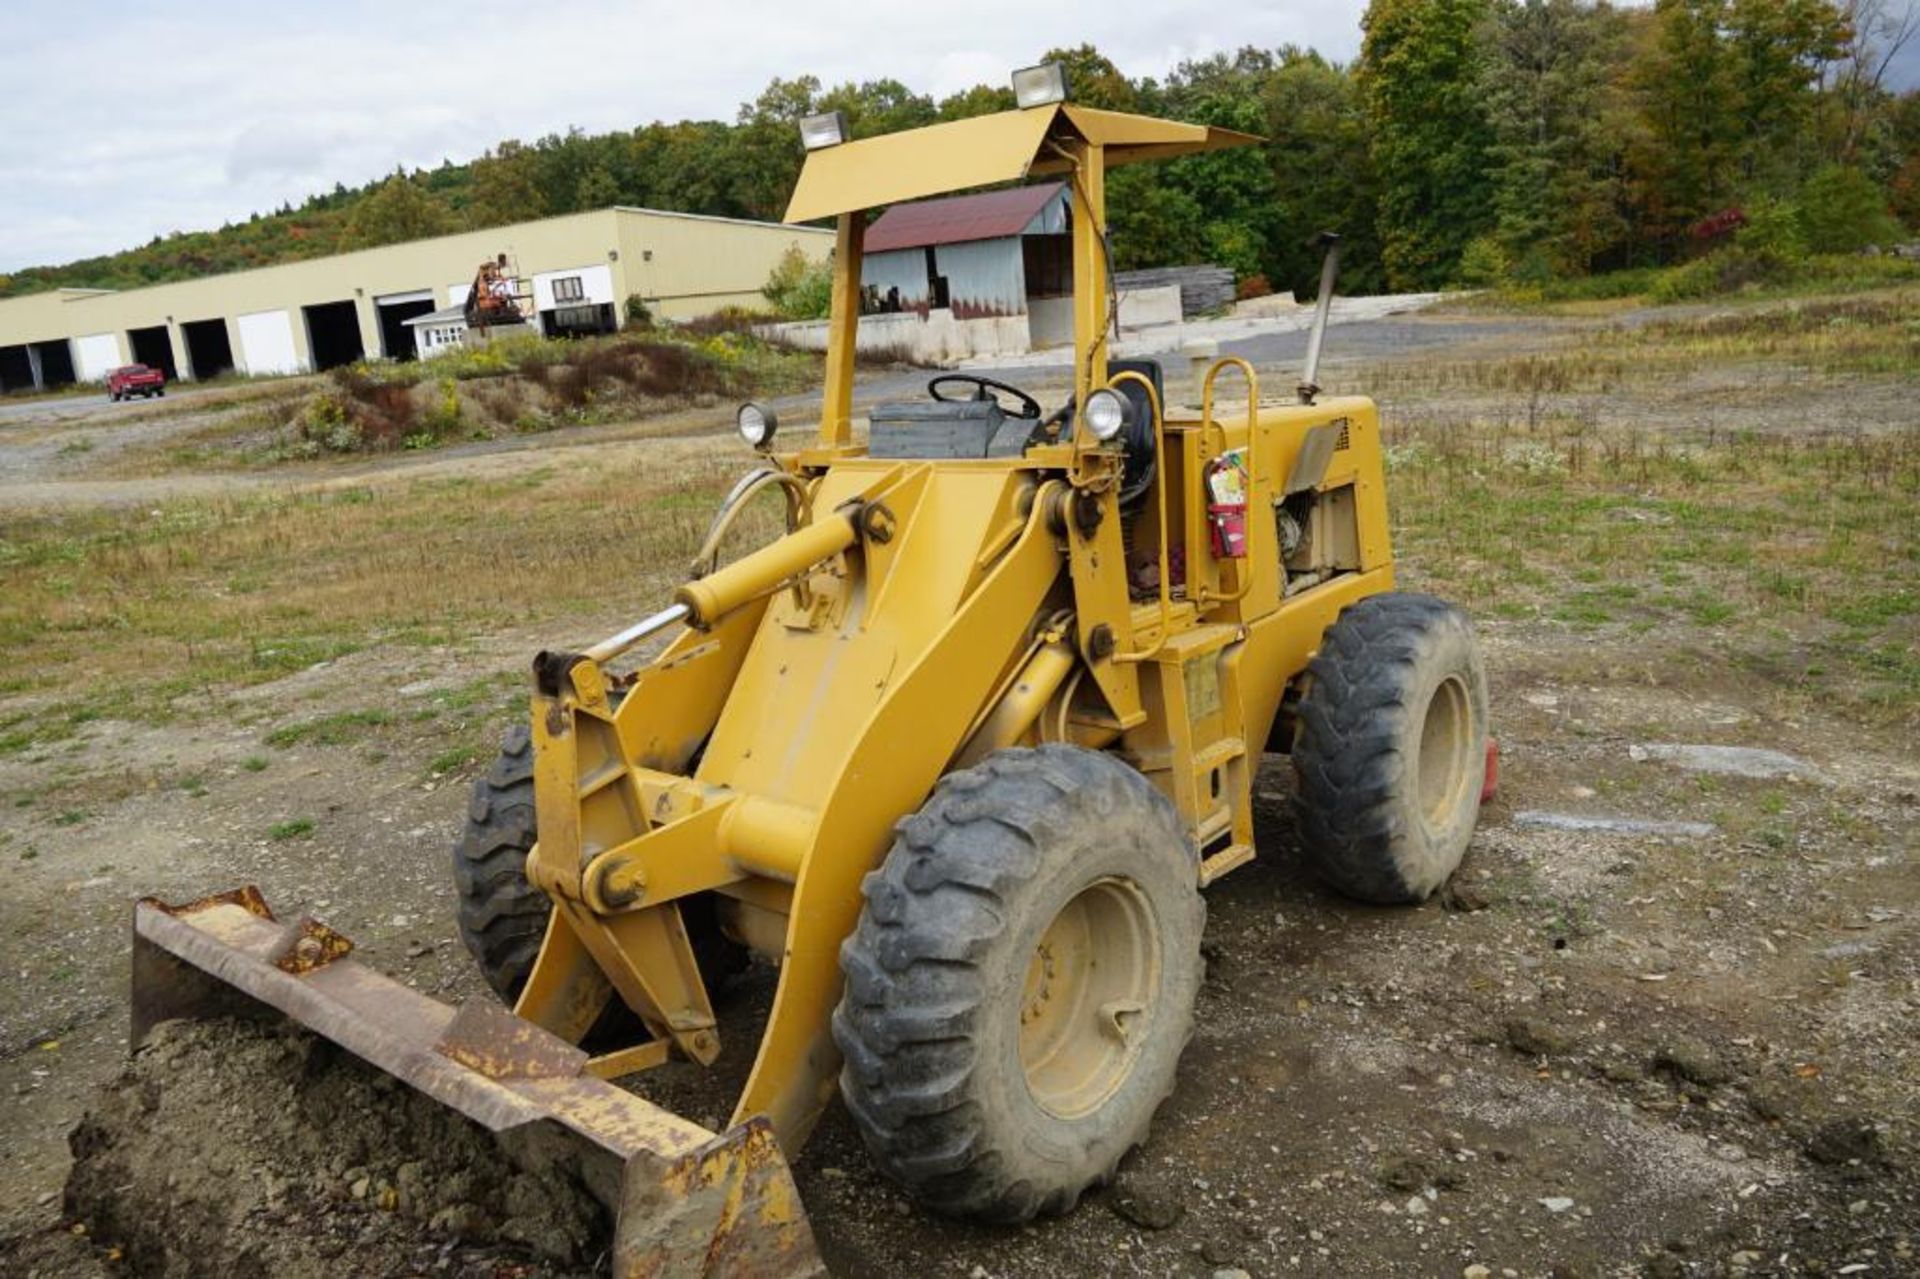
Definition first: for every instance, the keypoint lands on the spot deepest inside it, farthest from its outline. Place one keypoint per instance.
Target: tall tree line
(1529, 138)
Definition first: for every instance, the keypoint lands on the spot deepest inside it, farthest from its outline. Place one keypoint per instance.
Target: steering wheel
(982, 387)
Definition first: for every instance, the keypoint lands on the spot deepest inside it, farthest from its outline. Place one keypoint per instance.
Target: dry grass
(1802, 552)
(174, 608)
(1872, 335)
(1795, 556)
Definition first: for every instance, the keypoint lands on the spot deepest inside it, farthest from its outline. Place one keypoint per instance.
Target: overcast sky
(122, 121)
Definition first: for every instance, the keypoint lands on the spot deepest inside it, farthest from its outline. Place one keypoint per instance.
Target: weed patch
(328, 730)
(530, 384)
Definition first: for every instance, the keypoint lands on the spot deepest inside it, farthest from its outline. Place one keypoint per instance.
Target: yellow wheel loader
(958, 753)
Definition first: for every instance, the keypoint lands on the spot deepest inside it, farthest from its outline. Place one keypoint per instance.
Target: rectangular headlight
(826, 130)
(1038, 86)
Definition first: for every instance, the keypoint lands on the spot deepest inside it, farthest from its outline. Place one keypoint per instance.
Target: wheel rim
(1087, 1003)
(1446, 740)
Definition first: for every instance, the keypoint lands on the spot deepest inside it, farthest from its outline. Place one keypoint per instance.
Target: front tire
(1391, 753)
(1021, 982)
(502, 917)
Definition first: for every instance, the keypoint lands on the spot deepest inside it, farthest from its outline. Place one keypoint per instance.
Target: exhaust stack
(1329, 269)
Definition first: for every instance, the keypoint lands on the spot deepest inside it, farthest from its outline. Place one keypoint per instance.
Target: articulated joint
(736, 837)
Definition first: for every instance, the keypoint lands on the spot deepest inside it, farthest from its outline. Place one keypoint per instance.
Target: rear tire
(503, 917)
(1021, 982)
(1392, 748)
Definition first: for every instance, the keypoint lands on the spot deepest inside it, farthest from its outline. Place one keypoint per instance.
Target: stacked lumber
(1204, 290)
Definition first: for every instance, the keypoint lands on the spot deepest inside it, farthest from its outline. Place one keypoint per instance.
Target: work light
(1038, 86)
(757, 424)
(828, 129)
(1107, 413)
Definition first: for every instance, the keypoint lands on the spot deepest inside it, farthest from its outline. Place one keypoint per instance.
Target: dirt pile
(244, 1148)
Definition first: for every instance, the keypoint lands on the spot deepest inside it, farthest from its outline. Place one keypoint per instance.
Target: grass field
(1801, 547)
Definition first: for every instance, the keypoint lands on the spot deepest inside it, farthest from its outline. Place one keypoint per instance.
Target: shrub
(1253, 286)
(1842, 210)
(442, 418)
(1771, 235)
(799, 288)
(1609, 286)
(1483, 264)
(326, 422)
(1722, 271)
(639, 314)
(728, 319)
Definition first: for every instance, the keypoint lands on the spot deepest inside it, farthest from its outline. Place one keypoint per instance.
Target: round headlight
(1107, 413)
(757, 425)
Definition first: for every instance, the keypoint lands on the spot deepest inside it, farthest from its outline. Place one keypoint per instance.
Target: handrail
(1201, 595)
(1159, 456)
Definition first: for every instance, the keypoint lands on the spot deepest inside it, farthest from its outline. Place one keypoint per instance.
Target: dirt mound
(244, 1148)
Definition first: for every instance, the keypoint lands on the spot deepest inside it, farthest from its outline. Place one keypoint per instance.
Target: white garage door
(95, 356)
(266, 343)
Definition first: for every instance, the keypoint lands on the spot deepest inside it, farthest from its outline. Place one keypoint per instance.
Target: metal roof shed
(975, 255)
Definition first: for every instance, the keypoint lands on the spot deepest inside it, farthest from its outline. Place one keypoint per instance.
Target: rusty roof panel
(957, 219)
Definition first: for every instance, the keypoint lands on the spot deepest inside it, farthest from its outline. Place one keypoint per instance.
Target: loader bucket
(686, 1201)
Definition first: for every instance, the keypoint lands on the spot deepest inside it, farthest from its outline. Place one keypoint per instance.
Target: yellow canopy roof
(1004, 147)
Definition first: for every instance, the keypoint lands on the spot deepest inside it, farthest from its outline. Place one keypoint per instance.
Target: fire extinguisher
(1226, 478)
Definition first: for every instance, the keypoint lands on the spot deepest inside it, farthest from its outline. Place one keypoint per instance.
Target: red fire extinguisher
(1226, 478)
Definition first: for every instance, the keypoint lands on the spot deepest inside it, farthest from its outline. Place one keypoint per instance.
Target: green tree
(1690, 105)
(1093, 80)
(1779, 50)
(981, 99)
(799, 288)
(1842, 210)
(1150, 223)
(1903, 139)
(1420, 71)
(766, 145)
(598, 189)
(1318, 148)
(691, 166)
(398, 209)
(1549, 79)
(505, 187)
(879, 106)
(1234, 187)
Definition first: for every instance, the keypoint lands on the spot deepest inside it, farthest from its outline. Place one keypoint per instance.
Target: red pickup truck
(135, 379)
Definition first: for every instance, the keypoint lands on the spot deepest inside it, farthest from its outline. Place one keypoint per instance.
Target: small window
(567, 289)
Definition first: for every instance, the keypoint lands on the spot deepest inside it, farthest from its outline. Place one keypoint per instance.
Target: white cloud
(155, 117)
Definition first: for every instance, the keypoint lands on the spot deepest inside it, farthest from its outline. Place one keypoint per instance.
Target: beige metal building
(579, 268)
